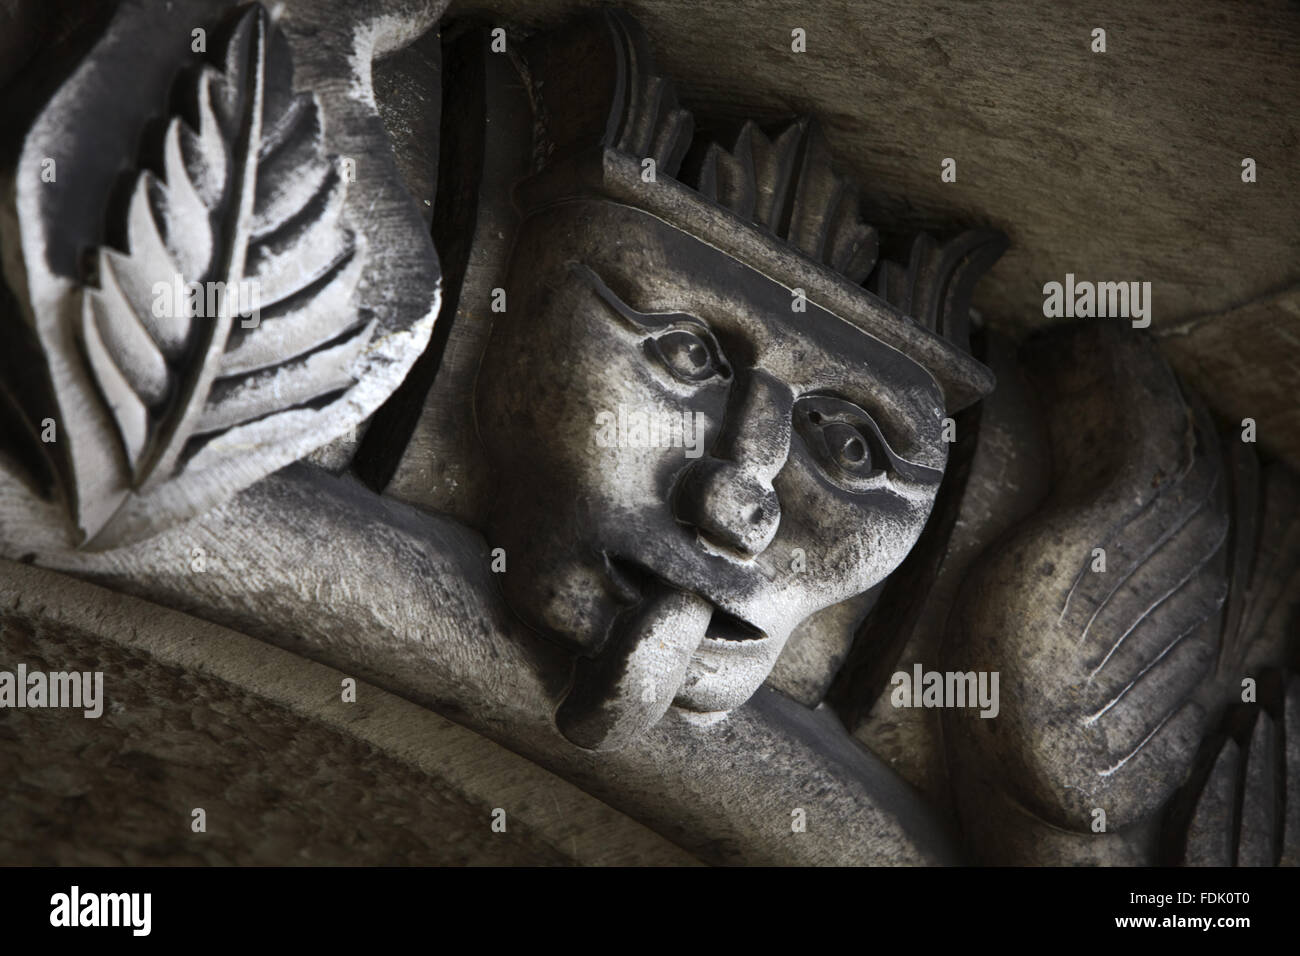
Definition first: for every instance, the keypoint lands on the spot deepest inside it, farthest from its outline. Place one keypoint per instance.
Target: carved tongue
(626, 689)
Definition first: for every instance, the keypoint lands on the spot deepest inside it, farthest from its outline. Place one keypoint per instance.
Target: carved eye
(690, 354)
(848, 447)
(843, 439)
(680, 342)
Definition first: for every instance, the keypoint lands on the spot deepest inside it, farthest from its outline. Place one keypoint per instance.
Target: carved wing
(1103, 611)
(1240, 806)
(1241, 803)
(1124, 615)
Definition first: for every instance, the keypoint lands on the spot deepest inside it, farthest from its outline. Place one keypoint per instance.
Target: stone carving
(679, 577)
(247, 199)
(689, 472)
(220, 332)
(1113, 680)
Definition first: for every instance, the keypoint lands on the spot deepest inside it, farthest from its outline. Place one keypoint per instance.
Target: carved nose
(728, 495)
(729, 507)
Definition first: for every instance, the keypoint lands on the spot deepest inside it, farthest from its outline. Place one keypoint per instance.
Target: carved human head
(703, 428)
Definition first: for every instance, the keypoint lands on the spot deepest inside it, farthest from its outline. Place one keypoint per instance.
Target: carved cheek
(849, 542)
(895, 522)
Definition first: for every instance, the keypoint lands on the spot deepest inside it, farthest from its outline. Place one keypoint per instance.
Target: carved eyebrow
(645, 320)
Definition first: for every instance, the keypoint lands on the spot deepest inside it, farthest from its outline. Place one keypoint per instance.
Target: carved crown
(772, 199)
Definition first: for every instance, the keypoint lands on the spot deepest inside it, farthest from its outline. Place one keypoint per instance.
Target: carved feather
(248, 206)
(1241, 803)
(1146, 630)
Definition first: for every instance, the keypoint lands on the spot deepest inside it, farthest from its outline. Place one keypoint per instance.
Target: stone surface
(1114, 166)
(1246, 361)
(260, 739)
(411, 605)
(632, 576)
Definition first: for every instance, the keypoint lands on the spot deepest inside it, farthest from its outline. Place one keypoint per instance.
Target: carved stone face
(818, 457)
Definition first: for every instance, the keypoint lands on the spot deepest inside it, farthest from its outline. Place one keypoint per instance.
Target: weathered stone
(695, 497)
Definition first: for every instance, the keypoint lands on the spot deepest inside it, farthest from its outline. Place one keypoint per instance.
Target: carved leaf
(244, 217)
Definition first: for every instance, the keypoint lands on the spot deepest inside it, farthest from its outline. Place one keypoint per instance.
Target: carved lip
(629, 578)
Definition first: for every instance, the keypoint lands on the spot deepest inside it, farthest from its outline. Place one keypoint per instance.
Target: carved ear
(262, 284)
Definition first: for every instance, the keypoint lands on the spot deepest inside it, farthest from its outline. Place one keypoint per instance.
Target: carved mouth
(630, 578)
(728, 627)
